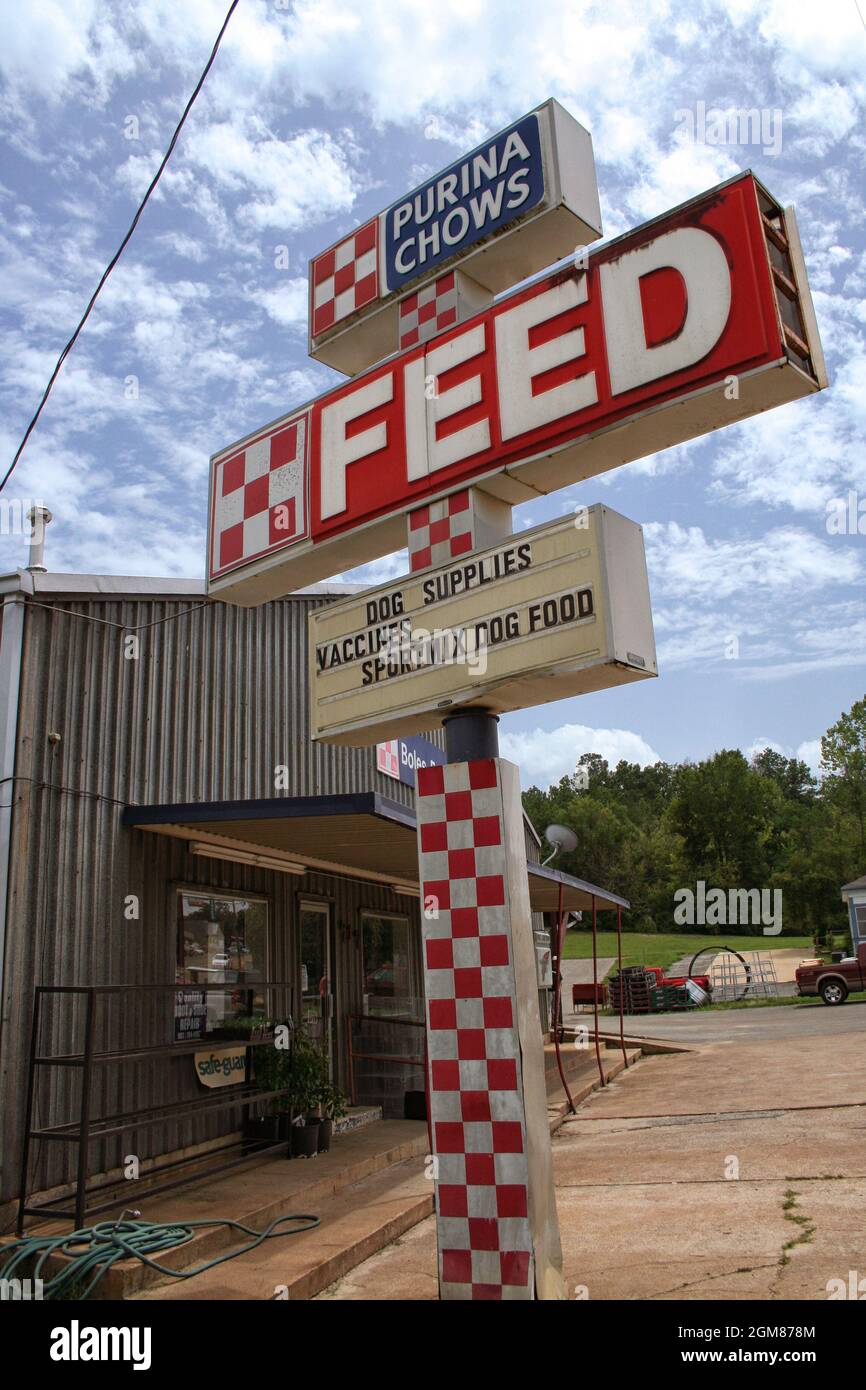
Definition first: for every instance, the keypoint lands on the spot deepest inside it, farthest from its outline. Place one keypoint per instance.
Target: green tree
(843, 762)
(791, 775)
(723, 810)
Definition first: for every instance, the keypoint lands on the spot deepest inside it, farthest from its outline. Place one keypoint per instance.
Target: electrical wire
(121, 248)
(91, 1252)
(123, 627)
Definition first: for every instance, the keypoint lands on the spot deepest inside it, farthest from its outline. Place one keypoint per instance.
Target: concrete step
(574, 1059)
(356, 1223)
(255, 1194)
(583, 1079)
(364, 1217)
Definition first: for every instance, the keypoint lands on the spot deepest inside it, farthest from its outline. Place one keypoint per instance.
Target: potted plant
(332, 1105)
(303, 1082)
(242, 1025)
(272, 1067)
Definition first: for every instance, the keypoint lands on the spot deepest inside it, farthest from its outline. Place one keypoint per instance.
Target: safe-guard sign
(664, 334)
(559, 610)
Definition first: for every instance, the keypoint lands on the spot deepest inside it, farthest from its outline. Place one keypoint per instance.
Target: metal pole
(595, 992)
(619, 968)
(470, 734)
(28, 1109)
(557, 1002)
(84, 1124)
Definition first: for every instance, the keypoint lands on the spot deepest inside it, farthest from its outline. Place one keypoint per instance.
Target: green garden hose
(93, 1250)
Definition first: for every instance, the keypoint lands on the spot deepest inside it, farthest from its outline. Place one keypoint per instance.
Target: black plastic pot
(326, 1129)
(304, 1141)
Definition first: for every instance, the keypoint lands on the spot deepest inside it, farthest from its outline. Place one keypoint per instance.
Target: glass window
(220, 940)
(388, 983)
(316, 971)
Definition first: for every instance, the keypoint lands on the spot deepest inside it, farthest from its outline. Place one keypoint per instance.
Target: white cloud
(287, 304)
(546, 755)
(282, 183)
(685, 561)
(47, 45)
(378, 571)
(809, 752)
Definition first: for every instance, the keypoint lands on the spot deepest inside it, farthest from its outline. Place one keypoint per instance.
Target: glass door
(316, 985)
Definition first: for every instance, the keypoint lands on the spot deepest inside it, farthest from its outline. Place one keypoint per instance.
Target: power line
(122, 247)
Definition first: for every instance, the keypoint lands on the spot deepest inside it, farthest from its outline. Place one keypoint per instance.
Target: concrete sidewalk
(730, 1171)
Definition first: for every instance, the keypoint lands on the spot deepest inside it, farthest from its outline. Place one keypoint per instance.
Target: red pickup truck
(833, 982)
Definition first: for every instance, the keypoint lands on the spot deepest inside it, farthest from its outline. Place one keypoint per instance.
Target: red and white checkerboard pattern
(388, 758)
(345, 278)
(259, 497)
(441, 531)
(475, 1087)
(429, 311)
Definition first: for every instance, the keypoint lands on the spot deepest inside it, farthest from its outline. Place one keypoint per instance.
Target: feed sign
(698, 319)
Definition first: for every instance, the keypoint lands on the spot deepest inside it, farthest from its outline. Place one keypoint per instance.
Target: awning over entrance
(360, 834)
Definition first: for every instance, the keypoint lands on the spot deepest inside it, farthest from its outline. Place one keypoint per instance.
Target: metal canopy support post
(619, 971)
(595, 990)
(557, 1001)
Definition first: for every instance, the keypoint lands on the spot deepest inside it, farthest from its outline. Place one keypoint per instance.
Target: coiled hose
(94, 1249)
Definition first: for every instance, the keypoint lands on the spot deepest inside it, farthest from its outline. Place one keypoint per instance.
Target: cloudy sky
(317, 114)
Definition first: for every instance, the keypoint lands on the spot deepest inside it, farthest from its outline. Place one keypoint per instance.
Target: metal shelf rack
(88, 1128)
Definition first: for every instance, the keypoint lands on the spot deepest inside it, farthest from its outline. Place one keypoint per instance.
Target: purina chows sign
(486, 190)
(520, 201)
(698, 319)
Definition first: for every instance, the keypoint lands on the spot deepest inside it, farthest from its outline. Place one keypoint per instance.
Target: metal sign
(514, 205)
(555, 611)
(400, 758)
(698, 319)
(223, 1066)
(476, 197)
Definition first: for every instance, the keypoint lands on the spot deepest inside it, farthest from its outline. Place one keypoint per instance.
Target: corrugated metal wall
(205, 709)
(202, 706)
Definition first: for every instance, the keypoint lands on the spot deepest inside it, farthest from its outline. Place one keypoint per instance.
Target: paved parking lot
(736, 1169)
(744, 1025)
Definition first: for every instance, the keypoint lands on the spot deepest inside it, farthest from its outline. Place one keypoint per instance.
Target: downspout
(619, 972)
(601, 1075)
(15, 589)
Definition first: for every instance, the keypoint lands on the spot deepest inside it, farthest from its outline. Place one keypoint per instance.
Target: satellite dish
(561, 838)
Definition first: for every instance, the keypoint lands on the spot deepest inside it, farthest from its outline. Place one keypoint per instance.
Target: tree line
(731, 822)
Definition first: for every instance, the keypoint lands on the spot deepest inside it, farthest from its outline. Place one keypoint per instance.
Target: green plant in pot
(242, 1025)
(273, 1068)
(332, 1104)
(303, 1081)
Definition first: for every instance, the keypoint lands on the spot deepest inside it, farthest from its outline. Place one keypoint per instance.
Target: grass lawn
(663, 948)
(808, 1001)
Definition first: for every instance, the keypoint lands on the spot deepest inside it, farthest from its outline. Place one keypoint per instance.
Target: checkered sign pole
(497, 1230)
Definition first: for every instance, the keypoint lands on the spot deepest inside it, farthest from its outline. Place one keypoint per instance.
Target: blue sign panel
(399, 757)
(499, 182)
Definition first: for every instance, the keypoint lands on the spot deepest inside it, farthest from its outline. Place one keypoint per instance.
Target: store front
(180, 853)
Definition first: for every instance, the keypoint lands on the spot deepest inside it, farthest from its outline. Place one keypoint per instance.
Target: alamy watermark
(22, 516)
(25, 1290)
(853, 1287)
(846, 516)
(714, 126)
(734, 907)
